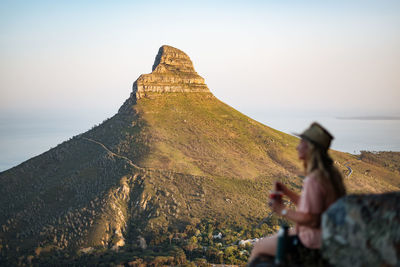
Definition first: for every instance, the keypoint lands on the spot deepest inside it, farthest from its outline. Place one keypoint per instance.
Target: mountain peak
(173, 59)
(172, 72)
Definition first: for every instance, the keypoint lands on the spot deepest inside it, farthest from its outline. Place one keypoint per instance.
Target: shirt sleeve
(312, 197)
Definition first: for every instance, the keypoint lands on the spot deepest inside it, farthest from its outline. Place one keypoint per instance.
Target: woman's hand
(280, 187)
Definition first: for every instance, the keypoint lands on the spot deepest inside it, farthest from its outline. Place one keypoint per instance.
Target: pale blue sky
(74, 56)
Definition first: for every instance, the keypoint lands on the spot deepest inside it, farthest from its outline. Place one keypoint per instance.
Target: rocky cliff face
(363, 230)
(172, 71)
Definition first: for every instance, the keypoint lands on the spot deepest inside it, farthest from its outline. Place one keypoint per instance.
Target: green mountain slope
(198, 134)
(174, 156)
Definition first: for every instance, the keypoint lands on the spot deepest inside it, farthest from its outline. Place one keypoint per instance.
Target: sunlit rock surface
(173, 71)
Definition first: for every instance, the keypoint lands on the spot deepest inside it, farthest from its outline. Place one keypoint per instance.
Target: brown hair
(319, 160)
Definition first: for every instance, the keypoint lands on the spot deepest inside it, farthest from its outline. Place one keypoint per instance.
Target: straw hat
(317, 135)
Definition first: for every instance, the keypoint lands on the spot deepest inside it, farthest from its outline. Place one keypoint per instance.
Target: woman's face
(302, 149)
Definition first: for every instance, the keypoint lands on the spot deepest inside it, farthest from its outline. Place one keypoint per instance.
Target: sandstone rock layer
(173, 71)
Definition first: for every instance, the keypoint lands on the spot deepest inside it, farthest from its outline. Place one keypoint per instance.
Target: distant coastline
(371, 118)
(23, 137)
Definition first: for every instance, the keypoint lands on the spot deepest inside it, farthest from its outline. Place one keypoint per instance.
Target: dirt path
(350, 169)
(112, 153)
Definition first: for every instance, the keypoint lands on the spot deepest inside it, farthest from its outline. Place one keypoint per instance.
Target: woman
(322, 186)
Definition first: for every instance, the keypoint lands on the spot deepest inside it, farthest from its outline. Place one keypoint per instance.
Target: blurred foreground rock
(363, 230)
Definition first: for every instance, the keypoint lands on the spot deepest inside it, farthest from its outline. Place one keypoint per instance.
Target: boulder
(363, 230)
(142, 243)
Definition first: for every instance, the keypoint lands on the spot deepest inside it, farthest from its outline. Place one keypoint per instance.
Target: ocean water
(22, 137)
(351, 134)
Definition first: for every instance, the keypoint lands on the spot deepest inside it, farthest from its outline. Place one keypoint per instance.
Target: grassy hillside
(198, 134)
(158, 171)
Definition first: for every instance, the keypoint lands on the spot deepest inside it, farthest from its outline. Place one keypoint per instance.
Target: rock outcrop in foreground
(363, 230)
(172, 71)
